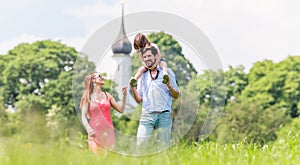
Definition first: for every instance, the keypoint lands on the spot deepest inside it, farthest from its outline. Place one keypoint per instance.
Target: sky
(242, 31)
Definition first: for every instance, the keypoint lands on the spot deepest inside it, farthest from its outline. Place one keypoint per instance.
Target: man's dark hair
(152, 49)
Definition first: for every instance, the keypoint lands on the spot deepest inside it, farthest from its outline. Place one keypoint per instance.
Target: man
(156, 99)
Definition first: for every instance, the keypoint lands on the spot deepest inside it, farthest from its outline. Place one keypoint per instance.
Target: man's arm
(172, 85)
(136, 96)
(174, 93)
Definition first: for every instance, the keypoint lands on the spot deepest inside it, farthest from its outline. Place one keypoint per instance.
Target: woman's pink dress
(101, 123)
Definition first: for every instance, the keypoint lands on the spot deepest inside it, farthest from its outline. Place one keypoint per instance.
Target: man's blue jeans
(160, 121)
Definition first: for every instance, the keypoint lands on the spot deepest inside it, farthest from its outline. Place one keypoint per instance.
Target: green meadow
(14, 151)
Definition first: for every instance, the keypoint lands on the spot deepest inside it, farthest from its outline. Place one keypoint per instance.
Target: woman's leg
(93, 146)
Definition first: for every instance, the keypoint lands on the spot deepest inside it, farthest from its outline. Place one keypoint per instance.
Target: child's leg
(139, 72)
(164, 67)
(138, 75)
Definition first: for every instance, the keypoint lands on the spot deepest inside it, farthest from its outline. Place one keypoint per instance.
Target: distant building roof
(122, 43)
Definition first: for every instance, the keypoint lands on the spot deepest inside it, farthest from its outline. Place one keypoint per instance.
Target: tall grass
(15, 150)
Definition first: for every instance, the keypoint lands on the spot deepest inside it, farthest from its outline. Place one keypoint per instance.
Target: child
(141, 42)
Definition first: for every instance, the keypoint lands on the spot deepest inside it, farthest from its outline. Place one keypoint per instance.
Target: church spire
(122, 44)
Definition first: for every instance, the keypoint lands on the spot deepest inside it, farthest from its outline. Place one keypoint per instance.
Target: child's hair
(140, 41)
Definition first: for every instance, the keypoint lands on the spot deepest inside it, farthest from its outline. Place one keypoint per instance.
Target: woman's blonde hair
(89, 87)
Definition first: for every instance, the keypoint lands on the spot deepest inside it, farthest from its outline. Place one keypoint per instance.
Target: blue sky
(242, 31)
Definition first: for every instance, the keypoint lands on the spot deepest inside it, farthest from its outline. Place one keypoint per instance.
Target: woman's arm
(115, 105)
(84, 120)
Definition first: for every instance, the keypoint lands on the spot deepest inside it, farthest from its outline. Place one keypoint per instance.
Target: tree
(289, 133)
(212, 87)
(31, 66)
(249, 121)
(31, 110)
(37, 77)
(291, 87)
(3, 115)
(185, 110)
(236, 82)
(275, 84)
(260, 69)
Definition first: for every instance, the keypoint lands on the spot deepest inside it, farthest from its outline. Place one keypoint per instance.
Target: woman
(140, 42)
(95, 105)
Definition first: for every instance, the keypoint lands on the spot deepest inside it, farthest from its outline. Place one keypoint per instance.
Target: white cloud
(93, 10)
(10, 44)
(93, 16)
(76, 42)
(243, 32)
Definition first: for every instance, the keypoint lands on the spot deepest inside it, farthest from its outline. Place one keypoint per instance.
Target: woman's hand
(91, 133)
(124, 90)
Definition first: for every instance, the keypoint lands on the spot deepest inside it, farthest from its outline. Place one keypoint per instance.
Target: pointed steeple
(122, 44)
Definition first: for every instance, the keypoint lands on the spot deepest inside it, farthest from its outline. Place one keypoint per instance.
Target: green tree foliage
(218, 87)
(250, 122)
(3, 114)
(37, 78)
(31, 66)
(31, 109)
(127, 123)
(212, 88)
(172, 55)
(206, 94)
(236, 81)
(289, 132)
(275, 84)
(260, 69)
(243, 117)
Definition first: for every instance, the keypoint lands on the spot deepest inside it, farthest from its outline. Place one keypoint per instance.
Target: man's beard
(151, 63)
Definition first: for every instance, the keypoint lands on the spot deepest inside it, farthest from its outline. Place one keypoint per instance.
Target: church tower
(122, 49)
